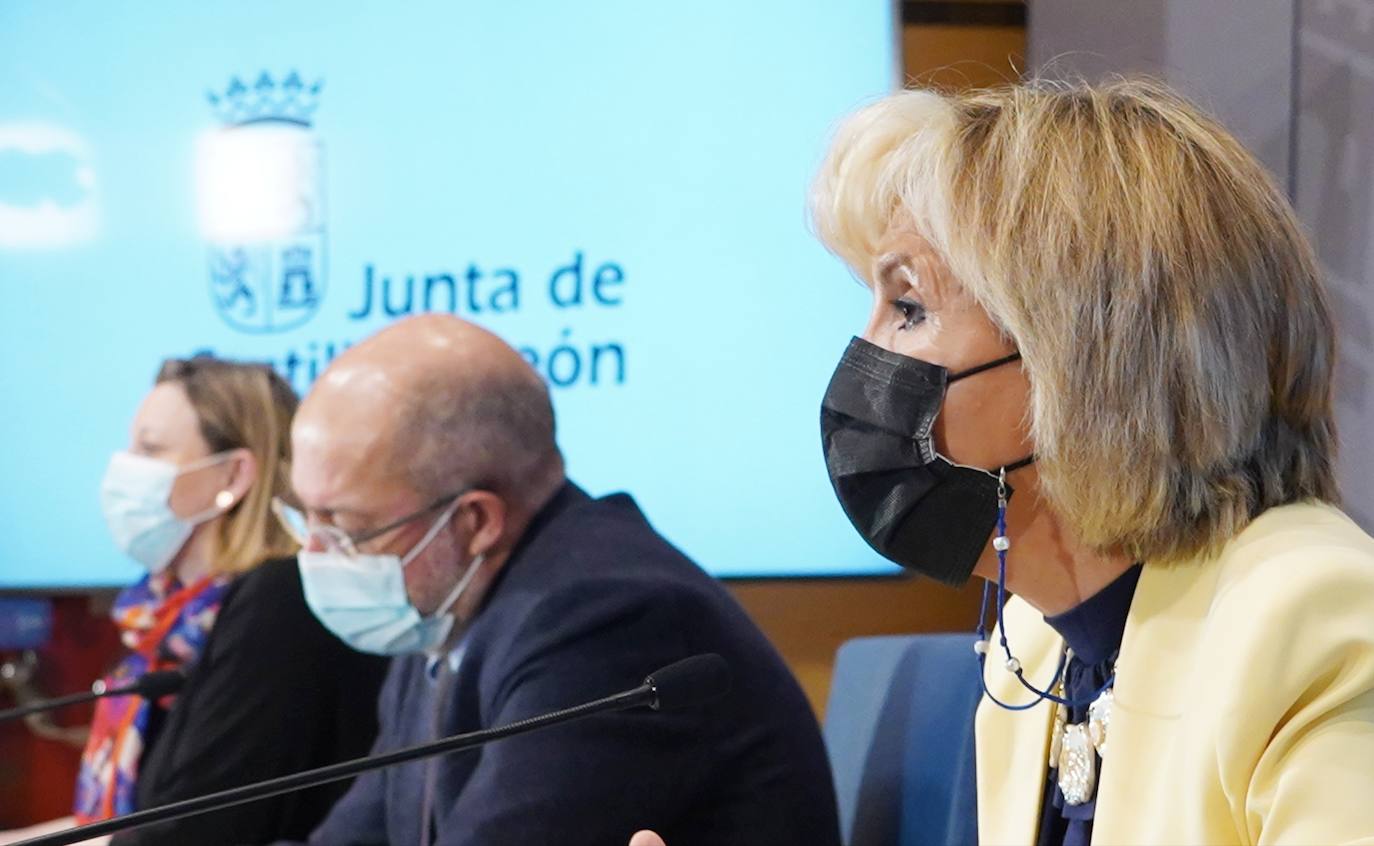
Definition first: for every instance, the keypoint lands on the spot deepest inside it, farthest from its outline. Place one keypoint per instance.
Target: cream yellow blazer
(1244, 707)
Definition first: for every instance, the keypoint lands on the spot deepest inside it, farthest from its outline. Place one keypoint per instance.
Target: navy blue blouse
(1092, 629)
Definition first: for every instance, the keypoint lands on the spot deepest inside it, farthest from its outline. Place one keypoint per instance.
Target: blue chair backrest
(899, 730)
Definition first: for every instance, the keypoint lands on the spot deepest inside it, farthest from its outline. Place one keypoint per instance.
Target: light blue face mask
(133, 498)
(362, 598)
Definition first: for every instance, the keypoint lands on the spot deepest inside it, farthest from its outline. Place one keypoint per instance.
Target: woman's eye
(912, 312)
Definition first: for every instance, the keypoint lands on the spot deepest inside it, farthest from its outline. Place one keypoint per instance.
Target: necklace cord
(1001, 544)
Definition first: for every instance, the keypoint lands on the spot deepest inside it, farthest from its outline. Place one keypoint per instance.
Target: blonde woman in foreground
(1093, 298)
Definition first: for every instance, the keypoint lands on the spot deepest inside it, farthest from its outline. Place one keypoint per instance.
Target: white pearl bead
(980, 646)
(1013, 665)
(1001, 543)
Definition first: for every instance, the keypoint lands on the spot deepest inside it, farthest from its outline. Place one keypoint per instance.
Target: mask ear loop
(448, 623)
(224, 500)
(466, 578)
(458, 589)
(988, 365)
(433, 532)
(208, 461)
(1001, 543)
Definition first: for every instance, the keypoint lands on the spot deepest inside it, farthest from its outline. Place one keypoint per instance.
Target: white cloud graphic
(47, 223)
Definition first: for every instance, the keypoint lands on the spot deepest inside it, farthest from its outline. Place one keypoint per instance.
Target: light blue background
(676, 140)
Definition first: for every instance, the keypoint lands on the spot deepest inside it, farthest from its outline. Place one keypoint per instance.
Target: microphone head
(689, 682)
(158, 683)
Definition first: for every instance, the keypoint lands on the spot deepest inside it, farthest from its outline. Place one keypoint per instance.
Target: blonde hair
(244, 406)
(1168, 310)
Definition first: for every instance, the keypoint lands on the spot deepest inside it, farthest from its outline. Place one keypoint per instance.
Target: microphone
(684, 684)
(690, 682)
(154, 685)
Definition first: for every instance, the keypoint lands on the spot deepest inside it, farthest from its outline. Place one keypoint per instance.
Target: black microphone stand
(645, 694)
(53, 704)
(155, 684)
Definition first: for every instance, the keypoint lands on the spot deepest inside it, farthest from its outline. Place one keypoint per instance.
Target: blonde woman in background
(269, 691)
(1095, 298)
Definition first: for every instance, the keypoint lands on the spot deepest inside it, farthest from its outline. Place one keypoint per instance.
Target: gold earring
(223, 500)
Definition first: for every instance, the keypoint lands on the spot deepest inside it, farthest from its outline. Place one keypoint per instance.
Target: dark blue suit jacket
(592, 601)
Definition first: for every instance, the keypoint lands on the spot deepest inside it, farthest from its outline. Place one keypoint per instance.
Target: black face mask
(911, 504)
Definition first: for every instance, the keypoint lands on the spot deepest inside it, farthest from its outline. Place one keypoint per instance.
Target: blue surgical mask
(134, 499)
(362, 598)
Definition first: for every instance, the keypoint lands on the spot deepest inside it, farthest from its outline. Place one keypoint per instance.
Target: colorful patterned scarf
(165, 626)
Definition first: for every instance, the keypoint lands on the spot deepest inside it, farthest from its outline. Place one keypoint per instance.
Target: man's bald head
(441, 403)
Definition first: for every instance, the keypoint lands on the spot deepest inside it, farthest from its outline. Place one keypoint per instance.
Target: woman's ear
(243, 472)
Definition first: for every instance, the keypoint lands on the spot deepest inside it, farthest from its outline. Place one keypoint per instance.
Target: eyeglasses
(334, 539)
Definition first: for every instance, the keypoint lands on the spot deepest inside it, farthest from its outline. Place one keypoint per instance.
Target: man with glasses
(437, 525)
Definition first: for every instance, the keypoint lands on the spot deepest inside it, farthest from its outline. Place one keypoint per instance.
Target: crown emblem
(266, 101)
